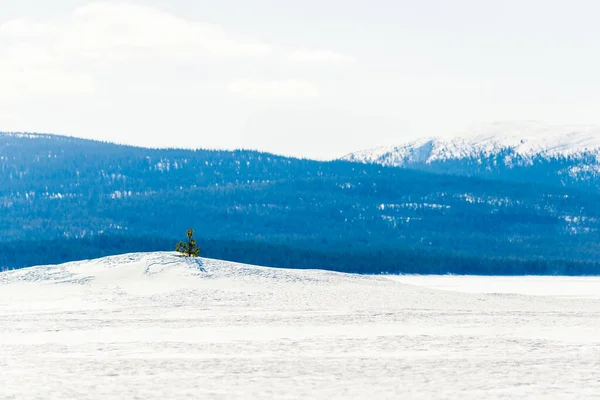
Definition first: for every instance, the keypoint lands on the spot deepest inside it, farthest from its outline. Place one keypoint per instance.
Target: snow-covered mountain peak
(521, 139)
(532, 137)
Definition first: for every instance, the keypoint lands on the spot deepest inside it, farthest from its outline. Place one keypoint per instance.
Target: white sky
(314, 78)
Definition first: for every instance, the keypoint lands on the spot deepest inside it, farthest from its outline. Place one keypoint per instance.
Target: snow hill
(157, 326)
(567, 152)
(525, 139)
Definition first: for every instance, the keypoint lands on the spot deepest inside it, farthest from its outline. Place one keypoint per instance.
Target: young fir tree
(189, 248)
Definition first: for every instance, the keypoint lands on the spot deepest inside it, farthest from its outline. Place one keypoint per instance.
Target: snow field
(156, 326)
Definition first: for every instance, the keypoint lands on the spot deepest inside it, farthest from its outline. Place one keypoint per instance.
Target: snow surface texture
(524, 140)
(156, 326)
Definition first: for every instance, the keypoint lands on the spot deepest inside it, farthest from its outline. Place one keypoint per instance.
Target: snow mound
(129, 270)
(167, 268)
(154, 276)
(169, 279)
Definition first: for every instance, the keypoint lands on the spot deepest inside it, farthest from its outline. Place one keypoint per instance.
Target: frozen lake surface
(154, 326)
(555, 286)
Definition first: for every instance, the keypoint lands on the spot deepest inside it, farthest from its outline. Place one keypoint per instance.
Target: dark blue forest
(65, 199)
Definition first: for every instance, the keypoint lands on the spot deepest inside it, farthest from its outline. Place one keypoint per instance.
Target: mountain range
(566, 156)
(63, 199)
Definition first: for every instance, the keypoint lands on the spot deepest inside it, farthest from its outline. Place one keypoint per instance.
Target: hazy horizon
(316, 80)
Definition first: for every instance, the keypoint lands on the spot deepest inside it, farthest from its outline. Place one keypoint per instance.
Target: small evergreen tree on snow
(188, 248)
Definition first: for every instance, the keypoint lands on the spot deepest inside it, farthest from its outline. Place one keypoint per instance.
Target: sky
(316, 78)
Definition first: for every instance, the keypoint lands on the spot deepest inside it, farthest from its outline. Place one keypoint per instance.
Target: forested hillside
(527, 152)
(64, 199)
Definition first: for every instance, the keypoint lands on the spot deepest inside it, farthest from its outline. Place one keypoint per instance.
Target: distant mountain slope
(526, 152)
(63, 199)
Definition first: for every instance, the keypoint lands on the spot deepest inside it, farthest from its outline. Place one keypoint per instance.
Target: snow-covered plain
(155, 326)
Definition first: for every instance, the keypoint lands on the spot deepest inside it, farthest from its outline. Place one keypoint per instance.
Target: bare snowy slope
(156, 326)
(527, 140)
(559, 154)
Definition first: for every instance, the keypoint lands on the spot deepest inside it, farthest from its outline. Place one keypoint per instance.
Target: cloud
(44, 83)
(68, 56)
(28, 70)
(114, 31)
(290, 88)
(318, 58)
(23, 28)
(117, 31)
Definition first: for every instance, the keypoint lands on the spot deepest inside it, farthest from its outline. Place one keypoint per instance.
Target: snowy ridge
(28, 135)
(518, 142)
